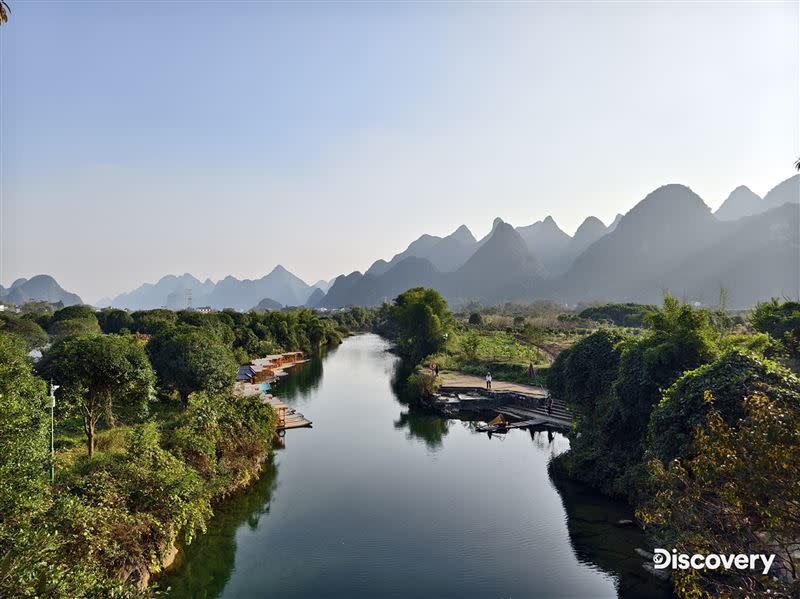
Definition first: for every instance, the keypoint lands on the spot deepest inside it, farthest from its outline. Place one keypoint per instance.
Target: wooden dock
(269, 370)
(288, 417)
(521, 406)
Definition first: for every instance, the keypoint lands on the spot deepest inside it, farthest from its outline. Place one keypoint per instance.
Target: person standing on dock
(549, 404)
(489, 380)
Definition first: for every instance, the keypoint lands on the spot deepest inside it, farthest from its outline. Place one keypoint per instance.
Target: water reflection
(303, 379)
(598, 538)
(429, 428)
(206, 565)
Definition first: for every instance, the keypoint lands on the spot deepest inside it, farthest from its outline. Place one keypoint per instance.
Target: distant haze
(141, 139)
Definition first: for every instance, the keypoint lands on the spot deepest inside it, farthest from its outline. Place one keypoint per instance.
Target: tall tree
(102, 377)
(188, 359)
(421, 321)
(33, 335)
(23, 431)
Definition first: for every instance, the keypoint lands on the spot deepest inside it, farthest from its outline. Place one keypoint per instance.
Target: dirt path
(459, 379)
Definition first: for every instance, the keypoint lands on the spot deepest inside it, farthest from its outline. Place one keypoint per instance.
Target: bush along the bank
(619, 387)
(700, 432)
(115, 518)
(137, 474)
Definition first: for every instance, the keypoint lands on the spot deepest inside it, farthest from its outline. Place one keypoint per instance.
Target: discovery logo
(663, 558)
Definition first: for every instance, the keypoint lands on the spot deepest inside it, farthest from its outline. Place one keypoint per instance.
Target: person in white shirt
(488, 380)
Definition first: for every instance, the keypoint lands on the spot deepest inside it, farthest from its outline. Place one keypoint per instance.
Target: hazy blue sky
(146, 138)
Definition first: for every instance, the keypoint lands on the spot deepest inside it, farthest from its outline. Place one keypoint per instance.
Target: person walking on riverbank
(489, 380)
(531, 371)
(549, 404)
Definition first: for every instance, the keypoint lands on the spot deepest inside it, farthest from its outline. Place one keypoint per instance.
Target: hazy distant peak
(590, 226)
(741, 202)
(39, 288)
(674, 199)
(501, 227)
(785, 192)
(463, 234)
(279, 269)
(615, 222)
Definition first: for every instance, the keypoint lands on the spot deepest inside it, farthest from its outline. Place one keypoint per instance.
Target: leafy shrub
(730, 379)
(423, 383)
(622, 315)
(586, 371)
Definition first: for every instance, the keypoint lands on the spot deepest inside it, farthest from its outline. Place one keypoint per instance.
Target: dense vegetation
(698, 427)
(418, 321)
(148, 436)
(621, 315)
(506, 339)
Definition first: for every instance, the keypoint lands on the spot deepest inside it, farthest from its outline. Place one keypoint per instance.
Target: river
(379, 501)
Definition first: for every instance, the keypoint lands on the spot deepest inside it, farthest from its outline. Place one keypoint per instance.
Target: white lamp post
(52, 443)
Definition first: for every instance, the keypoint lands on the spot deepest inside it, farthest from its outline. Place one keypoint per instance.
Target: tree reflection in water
(303, 379)
(598, 539)
(424, 426)
(203, 568)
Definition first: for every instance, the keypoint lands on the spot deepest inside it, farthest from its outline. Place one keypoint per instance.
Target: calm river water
(377, 501)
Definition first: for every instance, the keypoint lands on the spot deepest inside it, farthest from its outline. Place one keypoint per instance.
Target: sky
(222, 138)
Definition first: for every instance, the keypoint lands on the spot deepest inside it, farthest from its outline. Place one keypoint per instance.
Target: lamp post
(52, 442)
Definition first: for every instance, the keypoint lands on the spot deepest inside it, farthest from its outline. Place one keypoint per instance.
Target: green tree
(74, 326)
(730, 379)
(622, 315)
(475, 318)
(609, 452)
(189, 359)
(421, 320)
(780, 321)
(24, 428)
(102, 377)
(33, 335)
(741, 489)
(470, 344)
(80, 312)
(152, 322)
(586, 372)
(113, 320)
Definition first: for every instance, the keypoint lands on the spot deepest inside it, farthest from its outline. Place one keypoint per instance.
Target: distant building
(205, 309)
